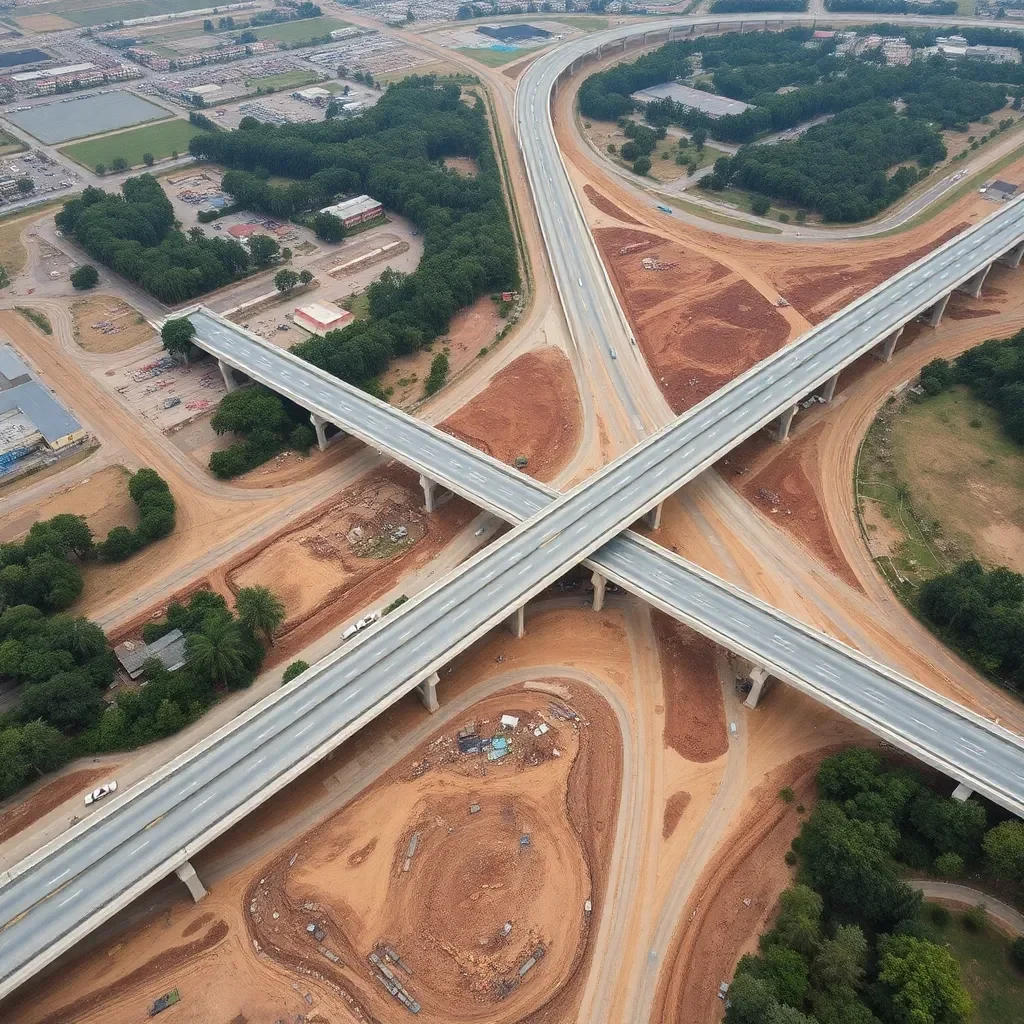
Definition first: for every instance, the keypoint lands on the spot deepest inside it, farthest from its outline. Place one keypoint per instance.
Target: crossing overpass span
(65, 890)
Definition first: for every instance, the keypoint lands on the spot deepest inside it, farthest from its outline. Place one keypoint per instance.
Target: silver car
(99, 794)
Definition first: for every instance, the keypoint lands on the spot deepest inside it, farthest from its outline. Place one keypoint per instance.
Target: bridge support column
(1013, 257)
(428, 692)
(972, 286)
(600, 583)
(889, 345)
(188, 875)
(828, 392)
(319, 423)
(429, 493)
(225, 371)
(516, 622)
(784, 421)
(758, 681)
(934, 317)
(652, 519)
(962, 792)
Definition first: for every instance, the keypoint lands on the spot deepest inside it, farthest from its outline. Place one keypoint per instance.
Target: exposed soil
(606, 206)
(735, 896)
(530, 408)
(464, 165)
(53, 794)
(674, 807)
(105, 323)
(102, 498)
(694, 709)
(782, 480)
(698, 323)
(342, 555)
(470, 330)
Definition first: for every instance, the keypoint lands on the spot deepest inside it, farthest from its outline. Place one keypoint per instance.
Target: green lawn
(300, 31)
(90, 12)
(493, 58)
(9, 144)
(285, 80)
(995, 985)
(162, 139)
(585, 24)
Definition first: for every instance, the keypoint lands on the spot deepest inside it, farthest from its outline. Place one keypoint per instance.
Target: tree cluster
(756, 6)
(394, 152)
(849, 945)
(981, 613)
(133, 233)
(156, 507)
(265, 421)
(994, 371)
(936, 7)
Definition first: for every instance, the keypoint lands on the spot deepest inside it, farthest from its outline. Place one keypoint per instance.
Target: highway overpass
(65, 890)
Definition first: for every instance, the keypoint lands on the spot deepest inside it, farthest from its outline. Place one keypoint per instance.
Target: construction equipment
(161, 1004)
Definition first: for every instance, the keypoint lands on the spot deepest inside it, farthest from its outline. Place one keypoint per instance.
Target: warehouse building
(31, 419)
(321, 317)
(355, 211)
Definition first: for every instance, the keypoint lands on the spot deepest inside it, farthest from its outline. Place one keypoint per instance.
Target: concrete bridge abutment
(758, 683)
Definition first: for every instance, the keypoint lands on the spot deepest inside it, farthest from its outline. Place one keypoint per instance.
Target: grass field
(162, 139)
(300, 31)
(493, 58)
(585, 24)
(285, 80)
(9, 144)
(995, 985)
(97, 12)
(947, 483)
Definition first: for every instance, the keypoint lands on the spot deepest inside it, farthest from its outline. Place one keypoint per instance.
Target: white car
(99, 794)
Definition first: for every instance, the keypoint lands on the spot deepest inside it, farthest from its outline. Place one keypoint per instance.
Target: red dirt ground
(698, 323)
(530, 408)
(605, 205)
(694, 709)
(53, 794)
(677, 803)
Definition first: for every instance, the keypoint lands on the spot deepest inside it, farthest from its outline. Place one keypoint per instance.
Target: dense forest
(394, 152)
(851, 943)
(842, 168)
(937, 7)
(756, 6)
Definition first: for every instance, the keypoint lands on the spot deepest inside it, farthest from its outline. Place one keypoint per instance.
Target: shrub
(949, 865)
(85, 276)
(976, 918)
(641, 165)
(790, 858)
(438, 374)
(1017, 951)
(296, 668)
(939, 915)
(759, 206)
(786, 793)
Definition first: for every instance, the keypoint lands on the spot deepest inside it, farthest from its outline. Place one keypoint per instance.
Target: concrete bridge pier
(828, 392)
(1013, 257)
(784, 422)
(973, 285)
(516, 622)
(188, 875)
(652, 518)
(758, 681)
(600, 583)
(934, 316)
(225, 371)
(962, 792)
(320, 425)
(431, 495)
(889, 345)
(428, 692)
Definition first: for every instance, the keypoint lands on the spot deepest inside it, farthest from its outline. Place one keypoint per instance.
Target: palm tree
(260, 610)
(217, 651)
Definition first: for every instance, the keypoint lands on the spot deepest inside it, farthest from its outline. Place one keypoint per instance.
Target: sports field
(285, 80)
(162, 140)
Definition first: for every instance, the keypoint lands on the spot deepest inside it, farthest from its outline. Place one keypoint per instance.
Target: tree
(438, 374)
(759, 206)
(285, 280)
(1004, 848)
(177, 336)
(305, 276)
(207, 25)
(949, 865)
(799, 922)
(44, 747)
(699, 136)
(936, 376)
(296, 668)
(642, 165)
(119, 164)
(263, 249)
(216, 652)
(147, 159)
(120, 543)
(74, 531)
(66, 700)
(85, 276)
(260, 610)
(922, 982)
(839, 966)
(25, 185)
(100, 170)
(328, 227)
(169, 718)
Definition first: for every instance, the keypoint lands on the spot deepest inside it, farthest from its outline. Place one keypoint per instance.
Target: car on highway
(100, 792)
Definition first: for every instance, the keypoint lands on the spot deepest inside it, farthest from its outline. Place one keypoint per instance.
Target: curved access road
(1010, 919)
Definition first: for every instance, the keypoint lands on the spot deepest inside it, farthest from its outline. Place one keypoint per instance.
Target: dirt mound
(694, 709)
(605, 205)
(698, 323)
(674, 807)
(530, 409)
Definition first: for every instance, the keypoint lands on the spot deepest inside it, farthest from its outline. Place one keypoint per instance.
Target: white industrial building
(357, 210)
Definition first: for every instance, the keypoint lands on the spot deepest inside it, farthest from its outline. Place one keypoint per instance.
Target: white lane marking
(70, 898)
(304, 729)
(924, 725)
(827, 672)
(967, 745)
(780, 642)
(206, 801)
(875, 696)
(59, 877)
